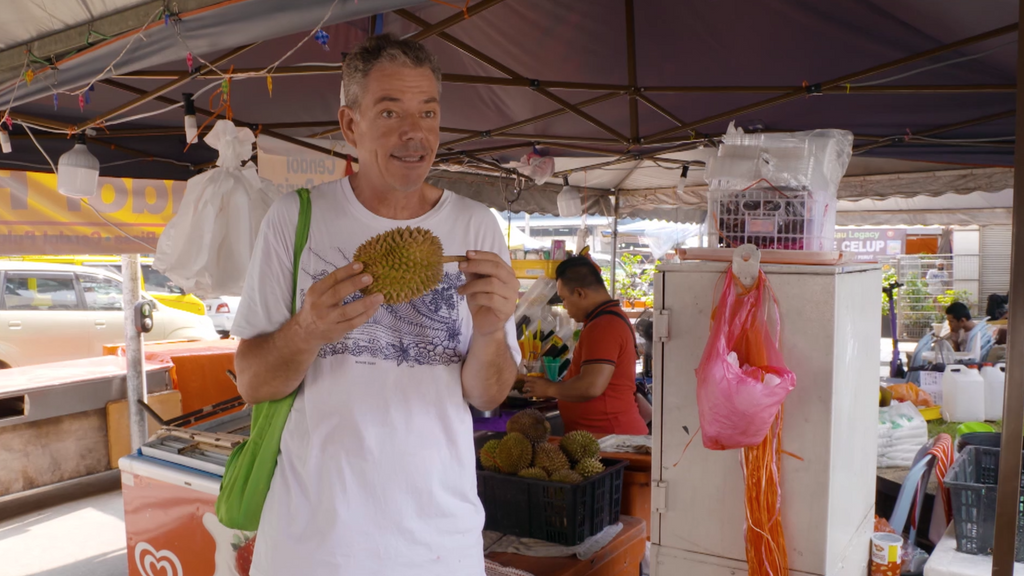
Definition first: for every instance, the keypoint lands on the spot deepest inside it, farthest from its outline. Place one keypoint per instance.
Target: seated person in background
(998, 306)
(968, 335)
(599, 393)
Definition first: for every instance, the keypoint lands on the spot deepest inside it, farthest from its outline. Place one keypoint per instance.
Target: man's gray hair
(383, 49)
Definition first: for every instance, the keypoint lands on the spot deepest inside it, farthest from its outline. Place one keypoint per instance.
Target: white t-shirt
(377, 467)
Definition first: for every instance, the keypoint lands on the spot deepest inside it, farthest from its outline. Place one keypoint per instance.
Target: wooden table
(621, 557)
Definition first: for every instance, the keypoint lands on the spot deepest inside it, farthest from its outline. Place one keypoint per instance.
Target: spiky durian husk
(488, 456)
(549, 458)
(530, 423)
(534, 473)
(515, 453)
(588, 468)
(580, 445)
(405, 263)
(566, 477)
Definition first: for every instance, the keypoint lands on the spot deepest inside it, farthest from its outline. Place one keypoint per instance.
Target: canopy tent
(615, 82)
(638, 91)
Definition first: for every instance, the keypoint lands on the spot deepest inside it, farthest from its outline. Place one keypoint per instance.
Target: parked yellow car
(160, 287)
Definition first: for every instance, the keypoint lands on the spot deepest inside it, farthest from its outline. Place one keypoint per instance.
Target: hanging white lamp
(190, 117)
(569, 200)
(78, 171)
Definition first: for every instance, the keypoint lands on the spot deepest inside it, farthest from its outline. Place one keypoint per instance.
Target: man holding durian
(376, 473)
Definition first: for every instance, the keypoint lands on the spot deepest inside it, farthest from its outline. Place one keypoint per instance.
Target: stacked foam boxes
(777, 191)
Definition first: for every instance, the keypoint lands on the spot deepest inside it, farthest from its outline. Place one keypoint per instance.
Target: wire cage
(930, 282)
(773, 219)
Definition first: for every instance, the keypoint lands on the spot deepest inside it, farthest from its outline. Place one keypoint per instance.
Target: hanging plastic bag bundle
(742, 379)
(206, 247)
(742, 382)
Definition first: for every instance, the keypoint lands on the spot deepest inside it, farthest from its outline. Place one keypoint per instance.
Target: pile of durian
(526, 452)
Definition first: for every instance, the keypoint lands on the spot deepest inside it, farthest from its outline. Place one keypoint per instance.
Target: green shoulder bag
(250, 468)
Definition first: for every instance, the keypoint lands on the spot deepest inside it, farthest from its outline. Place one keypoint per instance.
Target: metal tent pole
(1008, 490)
(132, 293)
(615, 240)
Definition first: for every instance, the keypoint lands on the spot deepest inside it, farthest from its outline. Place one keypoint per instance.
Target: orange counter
(200, 369)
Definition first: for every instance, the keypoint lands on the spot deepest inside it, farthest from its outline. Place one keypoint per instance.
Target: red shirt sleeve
(603, 342)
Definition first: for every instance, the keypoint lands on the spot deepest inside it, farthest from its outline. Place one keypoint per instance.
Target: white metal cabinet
(830, 317)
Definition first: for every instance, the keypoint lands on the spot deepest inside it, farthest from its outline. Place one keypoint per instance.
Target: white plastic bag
(902, 430)
(206, 247)
(536, 167)
(812, 161)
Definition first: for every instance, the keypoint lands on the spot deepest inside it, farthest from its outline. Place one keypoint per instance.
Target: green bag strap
(301, 237)
(250, 468)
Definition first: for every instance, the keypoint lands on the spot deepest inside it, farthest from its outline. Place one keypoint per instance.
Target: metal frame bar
(527, 122)
(477, 54)
(941, 129)
(454, 19)
(634, 109)
(180, 80)
(266, 129)
(1008, 488)
(631, 158)
(537, 137)
(799, 93)
(476, 80)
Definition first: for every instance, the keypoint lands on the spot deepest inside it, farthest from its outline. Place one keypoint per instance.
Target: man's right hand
(324, 319)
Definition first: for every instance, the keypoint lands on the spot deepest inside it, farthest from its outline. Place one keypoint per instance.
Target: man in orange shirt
(599, 392)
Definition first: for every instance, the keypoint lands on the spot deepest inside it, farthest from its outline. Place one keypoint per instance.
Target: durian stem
(449, 259)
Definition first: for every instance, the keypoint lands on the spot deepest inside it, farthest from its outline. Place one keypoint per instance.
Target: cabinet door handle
(101, 323)
(14, 324)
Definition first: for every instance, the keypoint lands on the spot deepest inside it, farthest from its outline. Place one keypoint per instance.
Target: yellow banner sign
(127, 216)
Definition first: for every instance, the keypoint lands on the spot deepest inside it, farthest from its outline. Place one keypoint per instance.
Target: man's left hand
(491, 290)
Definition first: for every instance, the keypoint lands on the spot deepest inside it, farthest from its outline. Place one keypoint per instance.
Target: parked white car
(222, 311)
(55, 312)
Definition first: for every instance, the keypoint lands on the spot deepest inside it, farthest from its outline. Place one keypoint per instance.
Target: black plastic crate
(972, 489)
(564, 514)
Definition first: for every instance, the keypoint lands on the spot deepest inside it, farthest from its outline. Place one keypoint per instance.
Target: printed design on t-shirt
(424, 332)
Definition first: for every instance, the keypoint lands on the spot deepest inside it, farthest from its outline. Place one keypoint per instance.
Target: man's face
(954, 324)
(397, 127)
(572, 300)
(941, 267)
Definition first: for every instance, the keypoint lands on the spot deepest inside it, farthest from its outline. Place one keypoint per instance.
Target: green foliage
(632, 280)
(952, 296)
(888, 277)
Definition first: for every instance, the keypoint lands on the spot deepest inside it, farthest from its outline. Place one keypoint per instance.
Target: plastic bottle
(963, 395)
(995, 381)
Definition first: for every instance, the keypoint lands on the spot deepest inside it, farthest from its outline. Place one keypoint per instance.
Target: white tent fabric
(517, 239)
(26, 21)
(916, 194)
(977, 208)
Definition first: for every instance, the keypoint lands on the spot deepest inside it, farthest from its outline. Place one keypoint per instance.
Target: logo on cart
(153, 563)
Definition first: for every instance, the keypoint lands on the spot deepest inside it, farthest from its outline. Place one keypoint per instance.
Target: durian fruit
(549, 458)
(488, 456)
(566, 477)
(530, 423)
(588, 468)
(580, 445)
(405, 263)
(514, 454)
(534, 473)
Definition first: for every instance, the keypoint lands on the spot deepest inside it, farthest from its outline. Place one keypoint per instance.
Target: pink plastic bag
(738, 397)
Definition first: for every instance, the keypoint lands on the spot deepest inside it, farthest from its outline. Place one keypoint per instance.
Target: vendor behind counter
(599, 392)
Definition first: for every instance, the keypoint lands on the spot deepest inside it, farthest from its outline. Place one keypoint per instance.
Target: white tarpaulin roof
(979, 208)
(886, 191)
